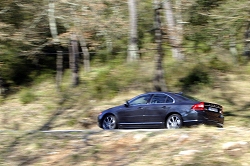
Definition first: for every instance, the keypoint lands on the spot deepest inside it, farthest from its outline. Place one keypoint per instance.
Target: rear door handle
(164, 106)
(140, 107)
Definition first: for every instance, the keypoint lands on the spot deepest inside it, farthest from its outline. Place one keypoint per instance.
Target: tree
(77, 22)
(175, 31)
(217, 26)
(74, 59)
(247, 40)
(19, 38)
(133, 39)
(159, 81)
(54, 34)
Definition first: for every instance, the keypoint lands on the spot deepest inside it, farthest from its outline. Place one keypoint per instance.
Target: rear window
(186, 97)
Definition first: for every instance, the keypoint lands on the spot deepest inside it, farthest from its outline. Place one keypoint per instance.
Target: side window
(161, 98)
(140, 100)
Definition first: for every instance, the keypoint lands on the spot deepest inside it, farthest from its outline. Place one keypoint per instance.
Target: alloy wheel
(109, 122)
(174, 122)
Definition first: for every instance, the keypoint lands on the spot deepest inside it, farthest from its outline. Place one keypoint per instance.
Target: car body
(161, 110)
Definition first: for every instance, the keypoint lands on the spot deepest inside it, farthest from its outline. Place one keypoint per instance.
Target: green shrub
(216, 64)
(198, 76)
(109, 81)
(1, 99)
(71, 122)
(37, 79)
(27, 96)
(105, 85)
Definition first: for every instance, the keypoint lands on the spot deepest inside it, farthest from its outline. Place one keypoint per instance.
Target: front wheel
(174, 121)
(109, 122)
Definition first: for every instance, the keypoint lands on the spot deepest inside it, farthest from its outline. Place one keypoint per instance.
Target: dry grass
(189, 146)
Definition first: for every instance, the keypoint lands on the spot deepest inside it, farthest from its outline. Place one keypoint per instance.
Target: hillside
(40, 107)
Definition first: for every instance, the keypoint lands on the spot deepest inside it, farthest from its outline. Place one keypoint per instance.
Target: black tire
(174, 121)
(109, 122)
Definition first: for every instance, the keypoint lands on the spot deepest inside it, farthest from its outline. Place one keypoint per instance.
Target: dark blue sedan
(161, 110)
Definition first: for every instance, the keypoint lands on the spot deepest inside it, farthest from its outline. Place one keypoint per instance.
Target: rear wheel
(174, 121)
(109, 122)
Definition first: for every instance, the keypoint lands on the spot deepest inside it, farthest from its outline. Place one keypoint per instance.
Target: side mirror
(126, 104)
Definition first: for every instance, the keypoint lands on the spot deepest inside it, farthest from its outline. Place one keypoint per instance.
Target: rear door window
(161, 98)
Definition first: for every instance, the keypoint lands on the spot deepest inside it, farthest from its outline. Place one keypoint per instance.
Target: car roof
(170, 93)
(177, 96)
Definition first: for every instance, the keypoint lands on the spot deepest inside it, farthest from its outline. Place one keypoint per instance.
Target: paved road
(92, 131)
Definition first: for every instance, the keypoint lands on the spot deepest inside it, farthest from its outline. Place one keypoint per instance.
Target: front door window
(140, 100)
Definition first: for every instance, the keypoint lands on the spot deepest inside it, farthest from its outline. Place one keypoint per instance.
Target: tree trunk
(74, 60)
(174, 32)
(86, 56)
(159, 81)
(109, 43)
(52, 21)
(1, 86)
(233, 49)
(59, 68)
(54, 34)
(133, 39)
(247, 41)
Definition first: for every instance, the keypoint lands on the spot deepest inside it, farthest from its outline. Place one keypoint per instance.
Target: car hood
(113, 109)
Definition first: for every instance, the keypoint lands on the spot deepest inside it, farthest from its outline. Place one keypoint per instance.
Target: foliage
(20, 36)
(198, 76)
(107, 85)
(216, 64)
(27, 96)
(109, 81)
(202, 6)
(14, 68)
(26, 49)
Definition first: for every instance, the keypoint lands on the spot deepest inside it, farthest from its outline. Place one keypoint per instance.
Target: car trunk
(213, 112)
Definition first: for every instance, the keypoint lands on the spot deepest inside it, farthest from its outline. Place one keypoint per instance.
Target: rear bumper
(201, 118)
(204, 122)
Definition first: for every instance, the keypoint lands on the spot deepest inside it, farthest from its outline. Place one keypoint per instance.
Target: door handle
(140, 107)
(164, 106)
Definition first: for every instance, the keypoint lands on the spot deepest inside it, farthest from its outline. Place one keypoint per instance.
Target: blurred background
(39, 37)
(62, 62)
(78, 55)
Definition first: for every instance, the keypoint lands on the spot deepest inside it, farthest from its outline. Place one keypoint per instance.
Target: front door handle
(164, 106)
(141, 108)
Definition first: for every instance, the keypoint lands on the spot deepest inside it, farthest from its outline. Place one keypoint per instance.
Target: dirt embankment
(188, 146)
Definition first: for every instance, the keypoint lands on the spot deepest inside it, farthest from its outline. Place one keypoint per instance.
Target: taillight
(198, 107)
